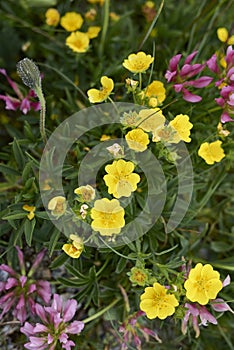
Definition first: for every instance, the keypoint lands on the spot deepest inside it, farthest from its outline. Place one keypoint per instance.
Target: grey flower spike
(29, 73)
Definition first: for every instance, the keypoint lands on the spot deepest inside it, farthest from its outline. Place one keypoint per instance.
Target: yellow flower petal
(93, 31)
(52, 17)
(137, 140)
(97, 96)
(222, 34)
(71, 21)
(211, 152)
(138, 63)
(182, 126)
(78, 42)
(151, 119)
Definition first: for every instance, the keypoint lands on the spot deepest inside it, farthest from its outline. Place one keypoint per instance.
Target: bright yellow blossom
(96, 96)
(151, 119)
(52, 17)
(120, 179)
(31, 211)
(138, 63)
(71, 21)
(108, 216)
(57, 205)
(223, 36)
(155, 302)
(137, 140)
(203, 284)
(211, 152)
(78, 42)
(182, 126)
(85, 193)
(75, 248)
(93, 31)
(156, 93)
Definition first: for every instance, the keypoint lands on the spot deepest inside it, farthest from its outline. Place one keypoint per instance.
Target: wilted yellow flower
(138, 63)
(182, 126)
(221, 131)
(75, 248)
(137, 140)
(155, 302)
(93, 31)
(83, 210)
(52, 17)
(78, 42)
(114, 17)
(156, 93)
(71, 21)
(31, 211)
(105, 137)
(85, 193)
(108, 216)
(130, 119)
(223, 36)
(211, 152)
(91, 15)
(116, 150)
(203, 284)
(96, 96)
(151, 119)
(120, 179)
(57, 205)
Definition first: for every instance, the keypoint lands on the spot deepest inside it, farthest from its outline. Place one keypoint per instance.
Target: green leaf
(53, 240)
(73, 271)
(15, 216)
(5, 169)
(19, 157)
(59, 261)
(28, 230)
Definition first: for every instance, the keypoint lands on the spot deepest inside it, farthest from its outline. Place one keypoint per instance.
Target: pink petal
(206, 316)
(23, 280)
(57, 303)
(200, 82)
(25, 106)
(12, 103)
(170, 75)
(44, 290)
(212, 64)
(63, 338)
(27, 329)
(226, 118)
(189, 71)
(69, 310)
(227, 281)
(8, 269)
(68, 345)
(20, 314)
(188, 96)
(219, 305)
(11, 282)
(31, 289)
(40, 328)
(75, 327)
(12, 83)
(190, 57)
(178, 87)
(174, 62)
(40, 311)
(21, 302)
(37, 261)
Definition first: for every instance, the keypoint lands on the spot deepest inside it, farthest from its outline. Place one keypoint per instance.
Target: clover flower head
(120, 179)
(52, 17)
(78, 42)
(71, 21)
(24, 103)
(108, 216)
(75, 248)
(21, 290)
(156, 302)
(85, 193)
(96, 96)
(137, 140)
(203, 284)
(138, 63)
(55, 326)
(57, 205)
(211, 152)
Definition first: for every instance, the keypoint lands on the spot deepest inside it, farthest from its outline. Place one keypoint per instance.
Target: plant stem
(41, 98)
(101, 312)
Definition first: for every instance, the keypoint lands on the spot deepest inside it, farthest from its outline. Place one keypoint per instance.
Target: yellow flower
(137, 140)
(155, 302)
(100, 2)
(203, 283)
(223, 36)
(75, 248)
(105, 137)
(93, 31)
(31, 211)
(71, 21)
(138, 63)
(121, 181)
(90, 15)
(57, 205)
(211, 152)
(151, 119)
(221, 131)
(108, 216)
(96, 96)
(52, 17)
(139, 276)
(182, 126)
(85, 193)
(78, 42)
(156, 93)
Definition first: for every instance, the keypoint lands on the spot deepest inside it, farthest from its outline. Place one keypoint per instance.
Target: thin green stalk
(105, 26)
(41, 98)
(101, 312)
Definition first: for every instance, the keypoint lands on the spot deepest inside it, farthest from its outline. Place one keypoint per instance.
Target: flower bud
(29, 73)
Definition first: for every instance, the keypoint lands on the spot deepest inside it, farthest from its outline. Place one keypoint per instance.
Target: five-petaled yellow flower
(78, 42)
(155, 302)
(31, 211)
(93, 31)
(182, 126)
(120, 179)
(156, 93)
(57, 205)
(85, 193)
(203, 284)
(151, 119)
(71, 21)
(75, 248)
(108, 216)
(52, 17)
(137, 140)
(96, 96)
(138, 63)
(211, 152)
